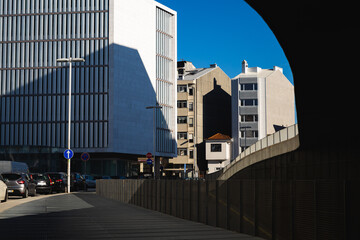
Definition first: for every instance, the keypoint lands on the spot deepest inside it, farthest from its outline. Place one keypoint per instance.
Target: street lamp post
(245, 127)
(154, 137)
(70, 61)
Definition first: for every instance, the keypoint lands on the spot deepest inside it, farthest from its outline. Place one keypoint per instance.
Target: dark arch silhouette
(319, 41)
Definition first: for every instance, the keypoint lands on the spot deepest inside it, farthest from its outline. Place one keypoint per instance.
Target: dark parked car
(19, 184)
(78, 182)
(90, 181)
(60, 181)
(43, 182)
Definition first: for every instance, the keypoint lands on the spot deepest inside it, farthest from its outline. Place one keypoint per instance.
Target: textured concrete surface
(86, 215)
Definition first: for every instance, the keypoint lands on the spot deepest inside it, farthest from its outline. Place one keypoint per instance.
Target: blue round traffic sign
(149, 161)
(68, 153)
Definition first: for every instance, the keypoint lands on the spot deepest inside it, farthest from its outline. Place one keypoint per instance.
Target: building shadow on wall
(35, 109)
(216, 119)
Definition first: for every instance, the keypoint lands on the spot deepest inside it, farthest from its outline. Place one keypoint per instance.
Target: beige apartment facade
(203, 109)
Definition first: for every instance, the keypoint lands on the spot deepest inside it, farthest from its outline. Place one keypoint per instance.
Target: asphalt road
(85, 215)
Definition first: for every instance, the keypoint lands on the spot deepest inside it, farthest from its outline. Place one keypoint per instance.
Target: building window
(248, 86)
(182, 135)
(191, 138)
(191, 122)
(249, 102)
(191, 106)
(249, 134)
(181, 103)
(191, 153)
(249, 118)
(181, 119)
(215, 147)
(182, 88)
(182, 151)
(191, 91)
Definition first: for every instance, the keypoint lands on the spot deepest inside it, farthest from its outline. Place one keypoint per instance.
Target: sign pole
(69, 60)
(69, 128)
(154, 129)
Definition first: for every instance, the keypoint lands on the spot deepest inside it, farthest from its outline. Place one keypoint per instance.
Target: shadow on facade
(109, 115)
(216, 119)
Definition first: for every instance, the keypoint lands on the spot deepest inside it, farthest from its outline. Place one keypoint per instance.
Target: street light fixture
(70, 61)
(154, 137)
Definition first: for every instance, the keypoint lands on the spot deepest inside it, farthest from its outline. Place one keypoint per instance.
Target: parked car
(78, 182)
(60, 181)
(90, 181)
(3, 190)
(43, 182)
(19, 184)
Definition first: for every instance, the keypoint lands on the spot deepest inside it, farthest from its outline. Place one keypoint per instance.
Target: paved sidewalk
(88, 216)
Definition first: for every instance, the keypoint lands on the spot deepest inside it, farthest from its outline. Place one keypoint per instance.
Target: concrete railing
(278, 137)
(283, 141)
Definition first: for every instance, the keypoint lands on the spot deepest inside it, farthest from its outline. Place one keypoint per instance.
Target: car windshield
(40, 177)
(11, 176)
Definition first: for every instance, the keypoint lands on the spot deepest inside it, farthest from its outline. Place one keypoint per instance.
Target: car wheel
(34, 193)
(26, 193)
(6, 196)
(50, 191)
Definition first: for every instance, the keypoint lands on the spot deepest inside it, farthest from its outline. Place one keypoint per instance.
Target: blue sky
(225, 32)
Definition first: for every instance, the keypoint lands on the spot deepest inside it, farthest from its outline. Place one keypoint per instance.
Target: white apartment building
(262, 101)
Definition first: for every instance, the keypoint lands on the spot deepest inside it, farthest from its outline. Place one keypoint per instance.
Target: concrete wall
(133, 76)
(270, 209)
(280, 101)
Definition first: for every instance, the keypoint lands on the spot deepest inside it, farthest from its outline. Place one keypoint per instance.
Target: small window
(182, 135)
(191, 138)
(249, 118)
(181, 103)
(216, 147)
(248, 86)
(182, 88)
(191, 122)
(249, 102)
(182, 151)
(181, 119)
(191, 91)
(249, 134)
(191, 153)
(191, 106)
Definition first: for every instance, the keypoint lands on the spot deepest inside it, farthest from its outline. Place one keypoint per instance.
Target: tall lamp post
(154, 132)
(70, 61)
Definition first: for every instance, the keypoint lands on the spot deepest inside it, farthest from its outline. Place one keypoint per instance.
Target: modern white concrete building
(263, 101)
(218, 152)
(130, 56)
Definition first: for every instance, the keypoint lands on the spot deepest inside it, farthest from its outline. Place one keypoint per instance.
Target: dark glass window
(215, 147)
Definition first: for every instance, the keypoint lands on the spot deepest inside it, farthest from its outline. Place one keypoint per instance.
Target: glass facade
(34, 87)
(165, 85)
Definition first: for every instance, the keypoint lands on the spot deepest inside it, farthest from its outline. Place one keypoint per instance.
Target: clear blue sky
(225, 32)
